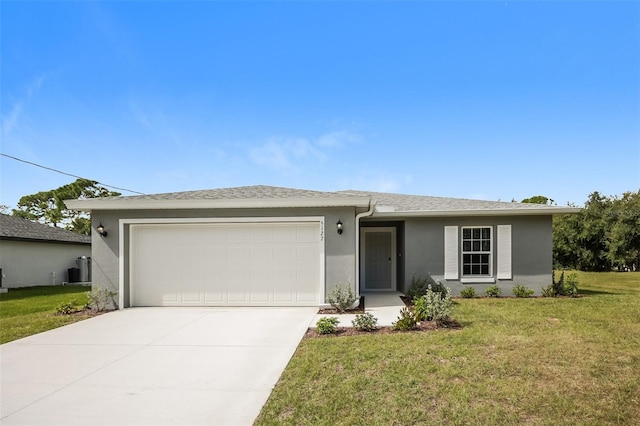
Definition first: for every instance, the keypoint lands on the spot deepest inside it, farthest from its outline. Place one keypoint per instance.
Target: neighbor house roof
(386, 204)
(16, 228)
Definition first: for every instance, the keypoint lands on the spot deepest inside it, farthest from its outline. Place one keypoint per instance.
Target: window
(476, 251)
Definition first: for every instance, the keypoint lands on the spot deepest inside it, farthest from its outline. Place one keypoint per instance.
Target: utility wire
(67, 174)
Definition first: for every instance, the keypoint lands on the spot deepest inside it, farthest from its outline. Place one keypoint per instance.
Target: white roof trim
(480, 212)
(241, 203)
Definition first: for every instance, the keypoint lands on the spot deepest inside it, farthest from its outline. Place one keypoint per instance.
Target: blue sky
(488, 100)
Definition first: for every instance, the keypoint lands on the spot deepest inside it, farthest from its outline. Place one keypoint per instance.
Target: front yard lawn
(31, 310)
(515, 361)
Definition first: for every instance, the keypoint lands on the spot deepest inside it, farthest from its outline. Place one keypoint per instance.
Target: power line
(67, 174)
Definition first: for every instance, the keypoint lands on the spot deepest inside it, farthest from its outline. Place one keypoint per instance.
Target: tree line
(603, 236)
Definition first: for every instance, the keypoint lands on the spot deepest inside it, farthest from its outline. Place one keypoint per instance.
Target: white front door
(378, 259)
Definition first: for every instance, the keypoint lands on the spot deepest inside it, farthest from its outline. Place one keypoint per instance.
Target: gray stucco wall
(31, 263)
(531, 251)
(340, 263)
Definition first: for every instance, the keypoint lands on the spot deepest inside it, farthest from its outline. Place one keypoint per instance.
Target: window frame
(476, 277)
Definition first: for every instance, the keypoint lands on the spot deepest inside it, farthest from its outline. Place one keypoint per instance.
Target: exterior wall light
(101, 230)
(339, 226)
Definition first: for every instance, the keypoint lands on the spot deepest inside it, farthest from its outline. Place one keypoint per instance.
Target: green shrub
(468, 293)
(433, 307)
(67, 308)
(558, 286)
(100, 298)
(571, 285)
(493, 291)
(406, 321)
(417, 287)
(365, 322)
(548, 291)
(563, 287)
(341, 297)
(521, 291)
(327, 325)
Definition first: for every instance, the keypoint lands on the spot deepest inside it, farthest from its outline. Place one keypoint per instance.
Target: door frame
(394, 257)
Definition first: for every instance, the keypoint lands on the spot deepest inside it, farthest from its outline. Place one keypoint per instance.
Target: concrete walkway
(384, 306)
(151, 366)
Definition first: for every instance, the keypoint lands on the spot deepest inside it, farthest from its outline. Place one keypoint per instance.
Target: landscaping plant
(327, 325)
(433, 307)
(100, 298)
(468, 293)
(493, 291)
(365, 322)
(67, 308)
(406, 321)
(521, 291)
(341, 297)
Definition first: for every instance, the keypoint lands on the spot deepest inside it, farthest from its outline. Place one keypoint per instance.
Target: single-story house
(33, 254)
(272, 246)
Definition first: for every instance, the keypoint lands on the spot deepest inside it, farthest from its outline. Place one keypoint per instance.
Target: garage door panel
(212, 264)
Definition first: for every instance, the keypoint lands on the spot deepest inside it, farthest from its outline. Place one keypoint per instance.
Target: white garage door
(219, 264)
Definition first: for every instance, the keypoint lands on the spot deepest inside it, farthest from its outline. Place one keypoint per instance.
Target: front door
(378, 259)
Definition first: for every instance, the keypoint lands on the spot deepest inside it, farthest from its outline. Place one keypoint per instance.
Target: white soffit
(124, 204)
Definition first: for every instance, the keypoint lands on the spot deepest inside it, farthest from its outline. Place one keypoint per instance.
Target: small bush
(365, 322)
(417, 287)
(493, 291)
(548, 291)
(100, 298)
(341, 297)
(468, 293)
(67, 308)
(571, 286)
(521, 291)
(406, 321)
(563, 287)
(327, 325)
(433, 307)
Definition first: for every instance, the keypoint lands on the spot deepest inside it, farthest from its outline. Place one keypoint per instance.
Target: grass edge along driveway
(31, 310)
(516, 361)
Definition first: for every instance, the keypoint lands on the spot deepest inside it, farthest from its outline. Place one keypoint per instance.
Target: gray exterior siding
(340, 260)
(531, 251)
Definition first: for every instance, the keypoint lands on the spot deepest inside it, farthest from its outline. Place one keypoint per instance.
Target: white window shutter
(451, 263)
(504, 252)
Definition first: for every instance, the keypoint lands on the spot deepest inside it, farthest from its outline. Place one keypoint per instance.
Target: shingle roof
(386, 202)
(237, 193)
(24, 229)
(262, 196)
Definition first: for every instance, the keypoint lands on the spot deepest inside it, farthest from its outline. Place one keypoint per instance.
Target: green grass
(516, 361)
(31, 310)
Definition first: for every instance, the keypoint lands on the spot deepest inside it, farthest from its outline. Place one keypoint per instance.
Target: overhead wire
(67, 174)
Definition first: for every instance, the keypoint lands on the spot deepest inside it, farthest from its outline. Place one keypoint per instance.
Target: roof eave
(124, 204)
(479, 212)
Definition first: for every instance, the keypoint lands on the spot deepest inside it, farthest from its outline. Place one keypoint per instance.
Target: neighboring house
(270, 246)
(34, 254)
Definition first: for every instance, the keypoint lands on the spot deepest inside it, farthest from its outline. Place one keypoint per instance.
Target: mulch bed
(350, 331)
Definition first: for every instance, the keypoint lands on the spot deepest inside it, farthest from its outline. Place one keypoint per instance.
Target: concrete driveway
(151, 366)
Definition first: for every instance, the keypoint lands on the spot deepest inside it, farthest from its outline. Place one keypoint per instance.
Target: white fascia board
(479, 212)
(245, 203)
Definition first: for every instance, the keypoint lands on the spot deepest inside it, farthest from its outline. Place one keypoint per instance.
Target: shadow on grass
(583, 292)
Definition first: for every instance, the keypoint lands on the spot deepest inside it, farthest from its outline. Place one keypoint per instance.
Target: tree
(48, 206)
(603, 236)
(623, 236)
(539, 199)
